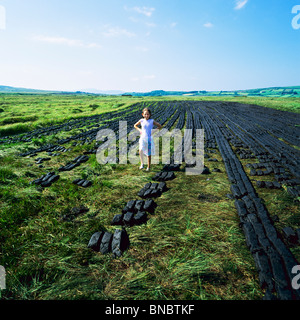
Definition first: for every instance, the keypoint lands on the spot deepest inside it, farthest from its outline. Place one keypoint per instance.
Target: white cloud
(146, 23)
(239, 4)
(208, 25)
(65, 41)
(58, 40)
(173, 24)
(144, 10)
(143, 78)
(116, 32)
(147, 11)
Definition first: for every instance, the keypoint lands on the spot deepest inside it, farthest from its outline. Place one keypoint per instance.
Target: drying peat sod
(71, 228)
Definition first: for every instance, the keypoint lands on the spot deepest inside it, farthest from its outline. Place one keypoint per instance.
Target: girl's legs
(149, 162)
(142, 160)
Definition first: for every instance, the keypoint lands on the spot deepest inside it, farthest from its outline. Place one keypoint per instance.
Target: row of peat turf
(274, 261)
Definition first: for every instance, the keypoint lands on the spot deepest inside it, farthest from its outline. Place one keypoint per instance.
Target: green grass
(191, 248)
(23, 113)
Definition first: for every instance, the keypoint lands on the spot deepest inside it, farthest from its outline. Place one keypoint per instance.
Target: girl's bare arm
(136, 126)
(159, 126)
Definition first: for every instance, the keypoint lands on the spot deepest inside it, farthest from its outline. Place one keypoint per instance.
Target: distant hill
(7, 89)
(163, 93)
(265, 92)
(108, 92)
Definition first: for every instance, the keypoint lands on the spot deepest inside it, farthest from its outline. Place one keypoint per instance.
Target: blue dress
(146, 143)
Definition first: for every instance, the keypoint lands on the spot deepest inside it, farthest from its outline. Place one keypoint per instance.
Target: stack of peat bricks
(47, 179)
(82, 183)
(134, 213)
(75, 163)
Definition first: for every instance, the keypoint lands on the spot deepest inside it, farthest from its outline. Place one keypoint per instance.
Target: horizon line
(92, 90)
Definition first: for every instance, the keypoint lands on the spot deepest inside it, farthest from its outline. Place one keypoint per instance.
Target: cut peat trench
(274, 261)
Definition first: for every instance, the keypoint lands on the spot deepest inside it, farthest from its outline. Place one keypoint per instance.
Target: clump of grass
(94, 106)
(10, 120)
(14, 129)
(6, 175)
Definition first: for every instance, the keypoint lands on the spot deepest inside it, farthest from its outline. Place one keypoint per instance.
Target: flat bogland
(230, 232)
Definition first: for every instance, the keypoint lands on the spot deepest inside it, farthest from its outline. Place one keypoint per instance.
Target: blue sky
(140, 45)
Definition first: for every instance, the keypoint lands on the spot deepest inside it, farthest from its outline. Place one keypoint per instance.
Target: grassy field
(191, 247)
(25, 112)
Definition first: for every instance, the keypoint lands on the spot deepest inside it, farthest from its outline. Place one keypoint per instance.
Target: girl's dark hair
(147, 109)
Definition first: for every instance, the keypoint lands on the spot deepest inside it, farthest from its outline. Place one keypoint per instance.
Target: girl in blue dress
(146, 143)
